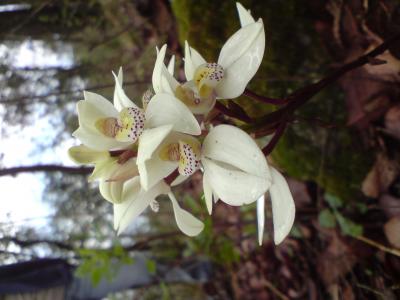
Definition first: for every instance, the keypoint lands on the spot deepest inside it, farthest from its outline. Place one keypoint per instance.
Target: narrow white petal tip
(283, 207)
(260, 218)
(208, 194)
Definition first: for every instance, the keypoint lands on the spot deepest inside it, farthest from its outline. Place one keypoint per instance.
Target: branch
(46, 168)
(277, 135)
(89, 88)
(264, 99)
(230, 113)
(302, 96)
(30, 243)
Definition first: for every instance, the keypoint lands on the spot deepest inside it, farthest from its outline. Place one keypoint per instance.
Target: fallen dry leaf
(336, 261)
(392, 231)
(379, 178)
(392, 121)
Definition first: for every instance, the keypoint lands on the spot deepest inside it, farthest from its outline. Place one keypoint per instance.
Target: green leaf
(165, 292)
(296, 232)
(96, 276)
(347, 226)
(333, 201)
(151, 266)
(326, 218)
(362, 207)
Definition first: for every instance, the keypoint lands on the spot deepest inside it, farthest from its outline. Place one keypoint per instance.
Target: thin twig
(274, 290)
(381, 247)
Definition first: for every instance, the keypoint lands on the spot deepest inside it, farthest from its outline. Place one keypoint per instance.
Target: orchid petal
(283, 208)
(150, 140)
(120, 78)
(186, 222)
(188, 94)
(89, 113)
(87, 133)
(84, 155)
(233, 186)
(244, 15)
(116, 191)
(193, 60)
(125, 171)
(151, 167)
(157, 71)
(131, 124)
(241, 57)
(98, 141)
(121, 100)
(111, 191)
(180, 179)
(164, 109)
(163, 81)
(260, 218)
(208, 195)
(100, 103)
(154, 170)
(105, 190)
(171, 65)
(233, 146)
(104, 168)
(189, 160)
(135, 201)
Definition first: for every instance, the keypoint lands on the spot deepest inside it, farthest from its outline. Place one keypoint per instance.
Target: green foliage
(347, 226)
(98, 264)
(165, 292)
(326, 218)
(151, 266)
(334, 202)
(219, 248)
(330, 217)
(296, 232)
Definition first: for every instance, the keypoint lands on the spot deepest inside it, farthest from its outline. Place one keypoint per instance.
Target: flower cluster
(140, 153)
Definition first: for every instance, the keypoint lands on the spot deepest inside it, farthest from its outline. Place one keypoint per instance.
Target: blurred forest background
(340, 153)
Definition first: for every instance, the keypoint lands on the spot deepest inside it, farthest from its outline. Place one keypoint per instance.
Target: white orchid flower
(136, 200)
(161, 151)
(283, 208)
(235, 169)
(238, 61)
(104, 126)
(109, 170)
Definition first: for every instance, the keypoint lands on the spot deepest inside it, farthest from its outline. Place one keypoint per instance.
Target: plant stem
(230, 113)
(267, 100)
(300, 97)
(277, 135)
(303, 95)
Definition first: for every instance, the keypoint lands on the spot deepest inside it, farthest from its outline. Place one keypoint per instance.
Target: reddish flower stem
(267, 100)
(275, 139)
(230, 113)
(171, 177)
